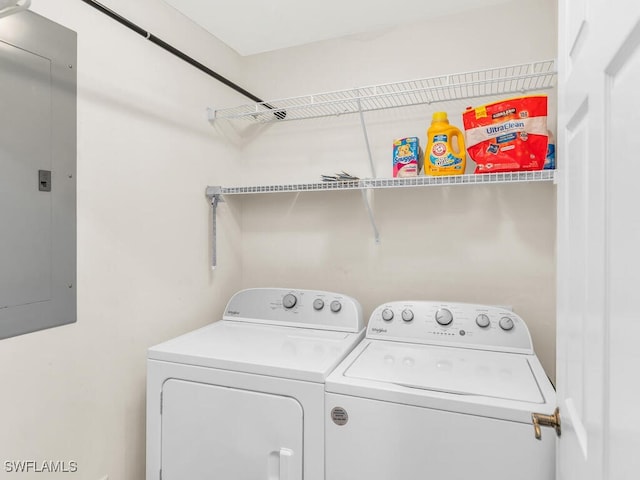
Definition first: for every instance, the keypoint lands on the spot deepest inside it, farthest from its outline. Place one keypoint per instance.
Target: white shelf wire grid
(523, 78)
(376, 183)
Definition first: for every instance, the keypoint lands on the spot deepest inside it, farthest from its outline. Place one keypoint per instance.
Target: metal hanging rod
(280, 114)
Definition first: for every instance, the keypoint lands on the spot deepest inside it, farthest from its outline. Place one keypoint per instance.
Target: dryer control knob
(387, 314)
(482, 320)
(444, 316)
(506, 323)
(336, 306)
(407, 315)
(289, 300)
(318, 304)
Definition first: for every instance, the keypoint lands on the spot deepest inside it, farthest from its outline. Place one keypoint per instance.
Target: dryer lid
(450, 370)
(278, 351)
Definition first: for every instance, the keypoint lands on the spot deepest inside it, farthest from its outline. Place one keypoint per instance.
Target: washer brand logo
(379, 330)
(232, 312)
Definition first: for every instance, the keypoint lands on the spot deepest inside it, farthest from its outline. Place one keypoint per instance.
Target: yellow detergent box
(406, 157)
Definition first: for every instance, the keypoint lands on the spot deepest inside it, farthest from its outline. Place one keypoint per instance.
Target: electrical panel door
(37, 174)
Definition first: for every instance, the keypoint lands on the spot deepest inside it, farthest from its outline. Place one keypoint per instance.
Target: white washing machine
(440, 391)
(243, 398)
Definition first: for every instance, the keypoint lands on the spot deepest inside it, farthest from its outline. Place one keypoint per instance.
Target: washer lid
(450, 370)
(277, 351)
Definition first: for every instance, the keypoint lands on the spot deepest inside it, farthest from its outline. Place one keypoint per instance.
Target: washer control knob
(318, 304)
(444, 316)
(336, 306)
(506, 323)
(482, 320)
(289, 300)
(407, 315)
(387, 314)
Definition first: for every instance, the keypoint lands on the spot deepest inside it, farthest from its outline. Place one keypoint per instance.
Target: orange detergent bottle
(445, 153)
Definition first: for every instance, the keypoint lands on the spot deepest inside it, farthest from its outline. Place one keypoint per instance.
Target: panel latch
(540, 419)
(44, 180)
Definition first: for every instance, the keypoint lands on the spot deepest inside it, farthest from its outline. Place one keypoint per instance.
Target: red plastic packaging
(508, 135)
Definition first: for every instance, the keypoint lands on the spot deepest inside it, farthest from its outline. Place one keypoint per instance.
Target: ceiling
(257, 26)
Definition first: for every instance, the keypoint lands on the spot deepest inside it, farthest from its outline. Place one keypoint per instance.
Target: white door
(211, 432)
(599, 239)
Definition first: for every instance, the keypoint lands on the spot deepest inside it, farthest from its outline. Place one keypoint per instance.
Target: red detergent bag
(509, 135)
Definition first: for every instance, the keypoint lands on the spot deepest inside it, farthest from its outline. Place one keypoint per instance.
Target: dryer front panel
(213, 432)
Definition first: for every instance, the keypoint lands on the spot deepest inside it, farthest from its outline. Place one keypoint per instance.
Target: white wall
(145, 156)
(487, 244)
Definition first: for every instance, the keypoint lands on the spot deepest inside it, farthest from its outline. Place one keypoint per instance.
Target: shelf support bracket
(366, 137)
(215, 197)
(365, 192)
(372, 219)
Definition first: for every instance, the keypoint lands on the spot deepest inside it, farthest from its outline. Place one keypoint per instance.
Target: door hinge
(540, 419)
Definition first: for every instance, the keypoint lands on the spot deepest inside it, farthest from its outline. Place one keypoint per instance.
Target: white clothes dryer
(243, 398)
(439, 391)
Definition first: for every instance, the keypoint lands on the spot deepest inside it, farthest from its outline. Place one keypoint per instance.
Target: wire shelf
(522, 78)
(376, 183)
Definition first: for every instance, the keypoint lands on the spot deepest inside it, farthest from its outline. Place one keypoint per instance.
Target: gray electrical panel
(37, 174)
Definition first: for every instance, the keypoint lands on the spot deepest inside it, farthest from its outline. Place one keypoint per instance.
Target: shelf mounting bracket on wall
(215, 196)
(366, 137)
(365, 198)
(365, 192)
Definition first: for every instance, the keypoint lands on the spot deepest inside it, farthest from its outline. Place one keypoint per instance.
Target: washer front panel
(388, 441)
